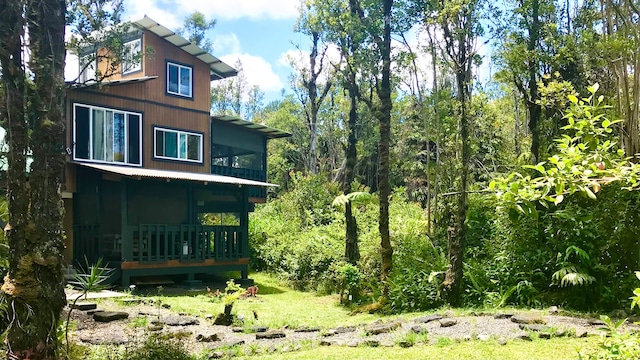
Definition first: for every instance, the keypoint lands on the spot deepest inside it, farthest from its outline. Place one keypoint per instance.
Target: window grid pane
(178, 145)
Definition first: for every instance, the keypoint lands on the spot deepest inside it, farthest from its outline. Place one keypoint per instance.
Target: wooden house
(155, 184)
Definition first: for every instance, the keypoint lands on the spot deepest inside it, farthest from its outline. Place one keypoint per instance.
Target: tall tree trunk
(352, 252)
(535, 109)
(384, 117)
(34, 285)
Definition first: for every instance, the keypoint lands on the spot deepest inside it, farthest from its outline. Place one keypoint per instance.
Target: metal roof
(137, 172)
(219, 70)
(270, 132)
(110, 82)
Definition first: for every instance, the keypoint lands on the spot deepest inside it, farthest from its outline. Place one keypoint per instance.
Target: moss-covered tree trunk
(384, 118)
(352, 251)
(34, 285)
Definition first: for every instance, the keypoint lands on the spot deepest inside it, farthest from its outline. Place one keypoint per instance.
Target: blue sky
(258, 32)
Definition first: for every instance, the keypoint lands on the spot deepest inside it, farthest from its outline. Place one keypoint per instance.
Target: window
(179, 80)
(178, 145)
(87, 68)
(131, 61)
(107, 135)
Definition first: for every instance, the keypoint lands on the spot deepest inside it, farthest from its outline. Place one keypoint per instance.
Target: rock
(106, 339)
(258, 329)
(523, 336)
(109, 316)
(528, 319)
(502, 341)
(273, 334)
(84, 306)
(340, 330)
(466, 337)
(405, 344)
(427, 319)
(375, 329)
(597, 322)
(166, 306)
(448, 322)
(237, 329)
(418, 329)
(306, 329)
(484, 337)
(93, 311)
(271, 349)
(371, 343)
(503, 316)
(353, 343)
(285, 349)
(155, 327)
(208, 337)
(560, 333)
(553, 310)
(544, 335)
(176, 321)
(228, 344)
(449, 314)
(326, 343)
(208, 316)
(534, 327)
(216, 355)
(580, 333)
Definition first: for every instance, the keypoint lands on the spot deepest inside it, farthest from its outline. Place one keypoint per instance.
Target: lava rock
(448, 322)
(109, 316)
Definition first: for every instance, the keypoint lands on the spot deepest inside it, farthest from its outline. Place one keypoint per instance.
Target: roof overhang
(219, 69)
(92, 84)
(269, 132)
(136, 172)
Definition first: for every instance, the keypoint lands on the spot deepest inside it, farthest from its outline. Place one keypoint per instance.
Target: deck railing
(91, 244)
(161, 242)
(249, 174)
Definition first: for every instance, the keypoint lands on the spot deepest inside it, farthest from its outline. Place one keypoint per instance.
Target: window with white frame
(87, 68)
(179, 80)
(178, 145)
(131, 60)
(107, 135)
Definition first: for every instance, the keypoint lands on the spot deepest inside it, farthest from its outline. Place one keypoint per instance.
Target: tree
(32, 112)
(33, 117)
(235, 96)
(311, 92)
(458, 21)
(195, 29)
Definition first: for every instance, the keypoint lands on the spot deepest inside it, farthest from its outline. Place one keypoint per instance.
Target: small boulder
(449, 313)
(208, 337)
(580, 333)
(105, 339)
(340, 330)
(528, 319)
(375, 329)
(418, 329)
(177, 321)
(371, 343)
(326, 343)
(274, 334)
(237, 329)
(109, 316)
(484, 337)
(544, 335)
(405, 344)
(503, 316)
(534, 327)
(553, 310)
(428, 318)
(502, 341)
(448, 322)
(216, 355)
(258, 329)
(523, 336)
(306, 329)
(597, 322)
(84, 306)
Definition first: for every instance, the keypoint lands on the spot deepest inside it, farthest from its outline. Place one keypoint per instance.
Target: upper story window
(107, 135)
(87, 68)
(131, 60)
(178, 145)
(179, 80)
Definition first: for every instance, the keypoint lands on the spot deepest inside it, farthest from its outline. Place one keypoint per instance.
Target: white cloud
(257, 70)
(226, 44)
(171, 12)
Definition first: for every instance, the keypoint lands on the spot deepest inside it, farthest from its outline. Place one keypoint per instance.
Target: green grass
(276, 306)
(556, 349)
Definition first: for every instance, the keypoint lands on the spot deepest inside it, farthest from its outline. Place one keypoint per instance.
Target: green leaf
(574, 100)
(606, 123)
(558, 199)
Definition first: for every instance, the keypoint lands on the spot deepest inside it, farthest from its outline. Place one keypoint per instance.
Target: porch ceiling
(136, 172)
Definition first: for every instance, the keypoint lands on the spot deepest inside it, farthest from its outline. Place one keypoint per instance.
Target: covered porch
(150, 222)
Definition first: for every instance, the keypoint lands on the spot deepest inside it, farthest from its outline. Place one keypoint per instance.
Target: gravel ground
(468, 327)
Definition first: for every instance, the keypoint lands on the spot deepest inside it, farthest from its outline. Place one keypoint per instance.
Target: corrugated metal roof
(219, 69)
(111, 82)
(137, 172)
(270, 132)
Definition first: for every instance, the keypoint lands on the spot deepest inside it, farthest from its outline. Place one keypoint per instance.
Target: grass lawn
(556, 349)
(278, 306)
